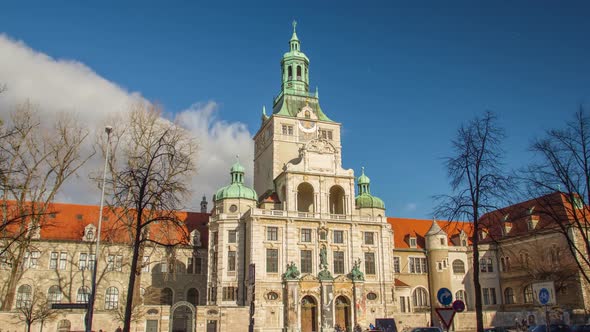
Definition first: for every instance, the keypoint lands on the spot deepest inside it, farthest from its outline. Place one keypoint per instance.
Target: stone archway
(309, 314)
(343, 313)
(182, 317)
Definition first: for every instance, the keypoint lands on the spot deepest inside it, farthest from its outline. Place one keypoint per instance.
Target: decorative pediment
(89, 233)
(309, 277)
(342, 278)
(307, 113)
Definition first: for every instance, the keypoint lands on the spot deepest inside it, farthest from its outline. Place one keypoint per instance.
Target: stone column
(326, 312)
(292, 306)
(360, 308)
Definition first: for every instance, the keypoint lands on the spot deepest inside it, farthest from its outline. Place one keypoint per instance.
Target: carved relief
(320, 146)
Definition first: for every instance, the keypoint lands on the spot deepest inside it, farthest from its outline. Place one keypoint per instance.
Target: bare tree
(36, 161)
(150, 166)
(563, 166)
(38, 309)
(477, 182)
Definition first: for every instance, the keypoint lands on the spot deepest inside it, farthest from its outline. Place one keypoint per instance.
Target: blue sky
(400, 77)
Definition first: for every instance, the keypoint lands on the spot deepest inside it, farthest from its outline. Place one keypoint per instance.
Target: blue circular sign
(444, 296)
(544, 296)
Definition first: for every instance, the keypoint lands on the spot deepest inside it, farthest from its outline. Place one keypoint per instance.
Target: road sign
(544, 293)
(446, 316)
(444, 296)
(544, 296)
(69, 305)
(458, 306)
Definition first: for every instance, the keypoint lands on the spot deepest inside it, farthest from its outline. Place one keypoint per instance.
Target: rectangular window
(338, 236)
(31, 259)
(229, 293)
(91, 261)
(369, 239)
(272, 233)
(231, 261)
(370, 263)
(83, 261)
(306, 261)
(486, 296)
(231, 236)
(163, 267)
(115, 263)
(338, 262)
(145, 264)
(402, 304)
(272, 260)
(288, 130)
(325, 134)
(413, 243)
(396, 265)
(5, 260)
(190, 265)
(63, 259)
(417, 265)
(305, 235)
(485, 265)
(198, 263)
(493, 295)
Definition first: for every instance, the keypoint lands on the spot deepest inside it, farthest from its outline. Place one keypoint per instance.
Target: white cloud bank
(57, 85)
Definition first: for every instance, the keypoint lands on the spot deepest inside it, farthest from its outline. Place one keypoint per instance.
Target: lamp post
(90, 313)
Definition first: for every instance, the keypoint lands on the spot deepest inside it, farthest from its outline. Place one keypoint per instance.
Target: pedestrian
(524, 326)
(516, 324)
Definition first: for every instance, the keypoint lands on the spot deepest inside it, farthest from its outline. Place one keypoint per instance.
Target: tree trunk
(133, 274)
(15, 274)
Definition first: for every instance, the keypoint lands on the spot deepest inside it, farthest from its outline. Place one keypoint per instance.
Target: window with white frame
(338, 236)
(54, 294)
(114, 263)
(111, 299)
(272, 233)
(458, 267)
(145, 264)
(272, 260)
(83, 295)
(338, 262)
(396, 264)
(31, 259)
(287, 130)
(413, 243)
(489, 296)
(24, 296)
(486, 265)
(369, 263)
(417, 265)
(306, 261)
(420, 298)
(86, 261)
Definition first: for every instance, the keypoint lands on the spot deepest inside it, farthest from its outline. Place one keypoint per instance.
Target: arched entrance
(182, 315)
(309, 314)
(337, 200)
(305, 197)
(343, 313)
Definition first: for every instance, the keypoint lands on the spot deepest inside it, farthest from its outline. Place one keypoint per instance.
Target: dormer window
(578, 204)
(532, 223)
(89, 233)
(507, 227)
(483, 234)
(413, 243)
(34, 231)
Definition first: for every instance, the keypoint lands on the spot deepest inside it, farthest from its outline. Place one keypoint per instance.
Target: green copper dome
(365, 199)
(236, 189)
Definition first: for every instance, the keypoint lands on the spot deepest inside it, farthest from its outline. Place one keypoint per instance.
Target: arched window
(290, 72)
(458, 267)
(305, 197)
(528, 294)
(461, 295)
(299, 72)
(83, 294)
(23, 296)
(524, 258)
(111, 300)
(420, 297)
(54, 294)
(166, 296)
(337, 200)
(192, 296)
(509, 296)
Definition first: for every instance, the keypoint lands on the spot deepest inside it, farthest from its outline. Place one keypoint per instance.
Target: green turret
(365, 199)
(236, 189)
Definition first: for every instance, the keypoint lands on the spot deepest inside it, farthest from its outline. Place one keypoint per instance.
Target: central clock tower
(296, 120)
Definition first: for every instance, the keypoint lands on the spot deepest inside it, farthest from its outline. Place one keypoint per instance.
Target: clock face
(307, 126)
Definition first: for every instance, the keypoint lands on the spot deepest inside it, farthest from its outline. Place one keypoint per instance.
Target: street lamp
(90, 312)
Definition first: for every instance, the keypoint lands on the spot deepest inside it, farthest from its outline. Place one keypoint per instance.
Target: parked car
(581, 328)
(552, 328)
(427, 329)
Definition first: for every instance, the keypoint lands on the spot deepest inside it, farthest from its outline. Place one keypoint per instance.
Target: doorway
(343, 313)
(309, 314)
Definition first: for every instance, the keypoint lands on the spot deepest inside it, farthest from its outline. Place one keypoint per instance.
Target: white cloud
(58, 85)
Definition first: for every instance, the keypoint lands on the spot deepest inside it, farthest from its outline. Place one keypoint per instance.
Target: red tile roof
(68, 221)
(403, 228)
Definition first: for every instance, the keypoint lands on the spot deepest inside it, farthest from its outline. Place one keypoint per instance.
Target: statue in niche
(324, 274)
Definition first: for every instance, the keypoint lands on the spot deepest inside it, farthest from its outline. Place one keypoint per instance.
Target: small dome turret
(236, 189)
(365, 199)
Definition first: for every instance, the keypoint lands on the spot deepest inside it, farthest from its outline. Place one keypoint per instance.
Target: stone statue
(356, 273)
(323, 258)
(292, 272)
